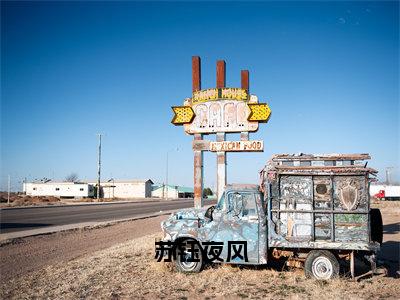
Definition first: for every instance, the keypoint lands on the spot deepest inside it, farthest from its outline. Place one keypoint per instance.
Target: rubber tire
(313, 255)
(196, 269)
(375, 217)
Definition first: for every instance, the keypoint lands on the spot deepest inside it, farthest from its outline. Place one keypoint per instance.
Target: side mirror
(209, 212)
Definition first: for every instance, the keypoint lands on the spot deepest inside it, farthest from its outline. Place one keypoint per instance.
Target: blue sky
(328, 70)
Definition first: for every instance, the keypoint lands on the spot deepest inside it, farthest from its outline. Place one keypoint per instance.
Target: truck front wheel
(188, 251)
(321, 264)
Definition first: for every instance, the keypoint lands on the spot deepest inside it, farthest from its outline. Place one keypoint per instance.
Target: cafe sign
(221, 110)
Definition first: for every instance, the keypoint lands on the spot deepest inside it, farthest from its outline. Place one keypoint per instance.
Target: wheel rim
(187, 266)
(322, 268)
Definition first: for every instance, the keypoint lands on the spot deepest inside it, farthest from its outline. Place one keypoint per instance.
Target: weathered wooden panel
(322, 192)
(351, 227)
(322, 226)
(296, 194)
(350, 193)
(295, 189)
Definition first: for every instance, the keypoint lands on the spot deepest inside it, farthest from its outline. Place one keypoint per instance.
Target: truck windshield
(220, 204)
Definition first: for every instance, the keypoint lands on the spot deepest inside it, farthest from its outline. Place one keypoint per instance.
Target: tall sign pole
(219, 111)
(198, 154)
(221, 155)
(244, 79)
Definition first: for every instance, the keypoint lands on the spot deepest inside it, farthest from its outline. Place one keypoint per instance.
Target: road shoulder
(6, 238)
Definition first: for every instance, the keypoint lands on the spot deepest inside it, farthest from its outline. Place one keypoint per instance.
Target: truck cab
(311, 210)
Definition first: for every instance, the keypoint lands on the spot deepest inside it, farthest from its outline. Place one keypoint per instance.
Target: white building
(171, 191)
(125, 188)
(58, 189)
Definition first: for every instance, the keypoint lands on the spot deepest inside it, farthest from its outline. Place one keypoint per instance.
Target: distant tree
(207, 192)
(73, 177)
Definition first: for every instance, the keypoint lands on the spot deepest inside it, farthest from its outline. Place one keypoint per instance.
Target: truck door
(240, 224)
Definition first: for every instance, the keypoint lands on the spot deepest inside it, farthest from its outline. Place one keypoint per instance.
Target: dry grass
(130, 271)
(385, 204)
(24, 200)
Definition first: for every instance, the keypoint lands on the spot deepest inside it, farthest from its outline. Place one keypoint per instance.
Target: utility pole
(99, 168)
(166, 180)
(388, 170)
(9, 187)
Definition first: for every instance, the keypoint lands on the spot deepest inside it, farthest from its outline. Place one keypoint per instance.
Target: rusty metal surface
(326, 164)
(325, 170)
(196, 73)
(221, 74)
(244, 79)
(333, 156)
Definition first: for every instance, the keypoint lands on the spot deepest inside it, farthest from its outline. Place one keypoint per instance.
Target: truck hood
(186, 222)
(189, 213)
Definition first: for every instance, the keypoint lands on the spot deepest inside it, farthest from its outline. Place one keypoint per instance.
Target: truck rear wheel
(321, 264)
(189, 249)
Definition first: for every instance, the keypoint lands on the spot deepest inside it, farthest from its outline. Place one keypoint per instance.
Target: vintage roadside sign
(212, 112)
(219, 111)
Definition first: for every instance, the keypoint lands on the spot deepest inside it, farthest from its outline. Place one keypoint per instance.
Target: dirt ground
(32, 253)
(127, 269)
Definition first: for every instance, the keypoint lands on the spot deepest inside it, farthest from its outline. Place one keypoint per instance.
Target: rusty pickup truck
(311, 211)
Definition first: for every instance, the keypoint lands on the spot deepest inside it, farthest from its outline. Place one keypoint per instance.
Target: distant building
(172, 191)
(125, 189)
(58, 189)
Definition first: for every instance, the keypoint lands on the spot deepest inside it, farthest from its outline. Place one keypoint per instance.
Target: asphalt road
(13, 220)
